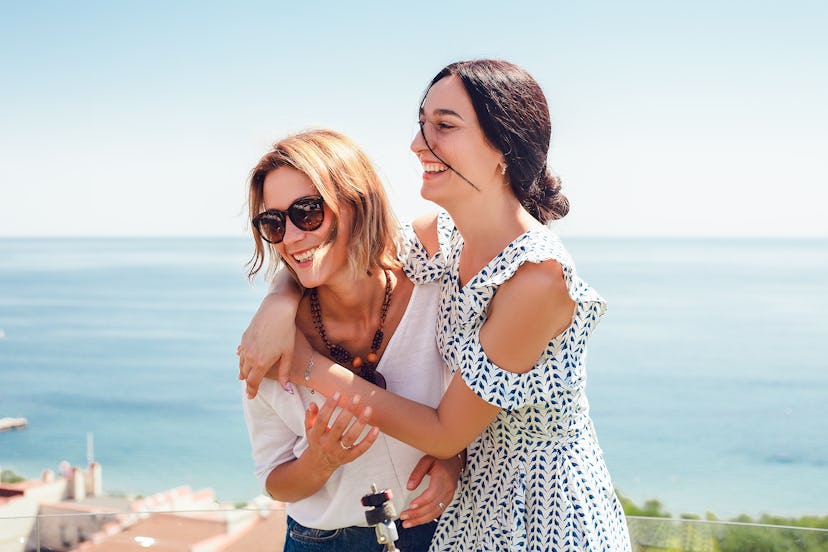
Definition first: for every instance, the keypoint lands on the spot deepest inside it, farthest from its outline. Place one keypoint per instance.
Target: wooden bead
(372, 357)
(357, 362)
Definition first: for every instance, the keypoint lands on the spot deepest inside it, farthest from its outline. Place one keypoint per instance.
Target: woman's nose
(292, 233)
(418, 143)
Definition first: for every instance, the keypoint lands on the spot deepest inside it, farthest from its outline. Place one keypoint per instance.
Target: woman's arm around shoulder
(266, 346)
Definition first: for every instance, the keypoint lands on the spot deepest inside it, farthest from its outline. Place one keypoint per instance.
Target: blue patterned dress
(535, 479)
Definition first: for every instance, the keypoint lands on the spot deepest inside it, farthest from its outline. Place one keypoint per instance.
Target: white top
(412, 368)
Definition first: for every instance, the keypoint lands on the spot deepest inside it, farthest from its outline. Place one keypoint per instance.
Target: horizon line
(563, 235)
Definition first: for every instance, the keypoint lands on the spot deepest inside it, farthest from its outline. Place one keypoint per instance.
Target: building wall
(24, 509)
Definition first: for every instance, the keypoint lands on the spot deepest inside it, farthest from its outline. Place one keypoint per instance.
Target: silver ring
(341, 444)
(442, 506)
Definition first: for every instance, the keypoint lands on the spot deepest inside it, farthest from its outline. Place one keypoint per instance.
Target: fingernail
(403, 517)
(288, 387)
(335, 396)
(406, 524)
(355, 400)
(413, 506)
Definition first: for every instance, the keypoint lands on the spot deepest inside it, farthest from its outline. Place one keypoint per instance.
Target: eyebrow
(443, 112)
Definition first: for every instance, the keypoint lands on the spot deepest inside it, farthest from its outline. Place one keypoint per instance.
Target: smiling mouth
(434, 168)
(304, 255)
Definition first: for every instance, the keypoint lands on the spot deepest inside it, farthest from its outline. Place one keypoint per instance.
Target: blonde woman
(318, 209)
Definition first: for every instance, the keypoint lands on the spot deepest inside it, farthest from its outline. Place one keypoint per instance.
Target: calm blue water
(707, 377)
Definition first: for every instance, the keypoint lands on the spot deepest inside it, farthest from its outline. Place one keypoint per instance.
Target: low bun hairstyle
(514, 117)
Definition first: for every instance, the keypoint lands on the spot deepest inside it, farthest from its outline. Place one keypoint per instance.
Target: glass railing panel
(229, 529)
(681, 535)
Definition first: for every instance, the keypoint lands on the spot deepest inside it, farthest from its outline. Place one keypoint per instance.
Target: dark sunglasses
(306, 214)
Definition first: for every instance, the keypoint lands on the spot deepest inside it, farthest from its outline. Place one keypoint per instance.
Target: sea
(707, 377)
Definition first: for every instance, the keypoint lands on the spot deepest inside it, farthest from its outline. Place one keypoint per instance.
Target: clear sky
(669, 118)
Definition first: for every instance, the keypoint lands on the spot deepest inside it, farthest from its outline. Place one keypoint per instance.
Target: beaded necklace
(364, 368)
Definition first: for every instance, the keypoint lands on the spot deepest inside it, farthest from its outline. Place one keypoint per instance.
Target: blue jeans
(349, 539)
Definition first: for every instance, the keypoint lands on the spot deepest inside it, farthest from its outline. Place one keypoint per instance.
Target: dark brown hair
(514, 117)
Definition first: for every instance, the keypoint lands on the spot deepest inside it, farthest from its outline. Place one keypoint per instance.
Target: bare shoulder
(535, 290)
(527, 311)
(425, 227)
(537, 280)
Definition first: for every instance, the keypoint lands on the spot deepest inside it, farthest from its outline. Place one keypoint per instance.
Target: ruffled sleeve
(418, 266)
(536, 247)
(489, 381)
(564, 353)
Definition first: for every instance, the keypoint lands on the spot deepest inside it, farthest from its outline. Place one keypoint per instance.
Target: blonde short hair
(346, 180)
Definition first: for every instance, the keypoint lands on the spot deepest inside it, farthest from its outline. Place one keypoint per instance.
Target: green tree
(10, 476)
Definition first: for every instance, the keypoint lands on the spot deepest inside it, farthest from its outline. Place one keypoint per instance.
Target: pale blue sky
(670, 118)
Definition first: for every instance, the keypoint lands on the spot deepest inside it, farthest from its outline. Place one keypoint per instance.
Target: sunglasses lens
(307, 213)
(271, 228)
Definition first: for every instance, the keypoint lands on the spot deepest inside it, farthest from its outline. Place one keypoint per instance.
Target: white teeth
(305, 255)
(434, 167)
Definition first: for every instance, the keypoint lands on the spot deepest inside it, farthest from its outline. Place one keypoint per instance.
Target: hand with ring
(336, 440)
(430, 504)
